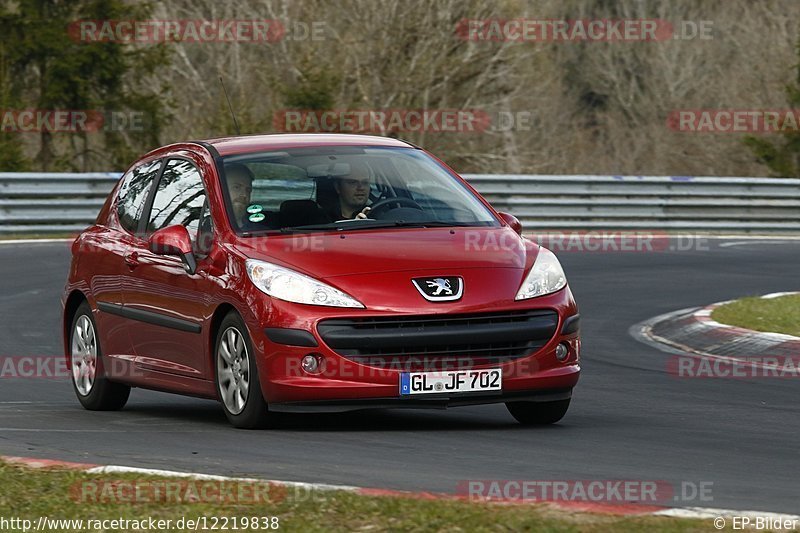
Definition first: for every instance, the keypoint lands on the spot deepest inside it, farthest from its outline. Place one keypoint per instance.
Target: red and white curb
(631, 509)
(693, 331)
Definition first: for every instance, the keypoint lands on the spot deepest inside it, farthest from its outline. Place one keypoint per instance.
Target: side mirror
(174, 240)
(512, 221)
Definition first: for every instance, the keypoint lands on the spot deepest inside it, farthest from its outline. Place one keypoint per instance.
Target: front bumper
(343, 383)
(427, 402)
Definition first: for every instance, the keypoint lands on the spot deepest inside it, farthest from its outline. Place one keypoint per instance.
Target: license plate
(451, 381)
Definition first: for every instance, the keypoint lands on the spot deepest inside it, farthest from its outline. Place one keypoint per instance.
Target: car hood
(445, 250)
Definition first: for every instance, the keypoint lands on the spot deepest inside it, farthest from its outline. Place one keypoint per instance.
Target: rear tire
(538, 413)
(236, 374)
(93, 389)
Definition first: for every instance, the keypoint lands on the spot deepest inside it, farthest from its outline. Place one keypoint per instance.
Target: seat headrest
(301, 213)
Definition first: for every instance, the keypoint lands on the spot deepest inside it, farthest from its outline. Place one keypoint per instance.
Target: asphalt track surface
(630, 419)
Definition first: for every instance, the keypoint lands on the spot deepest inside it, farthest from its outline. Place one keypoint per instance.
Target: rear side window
(136, 186)
(180, 198)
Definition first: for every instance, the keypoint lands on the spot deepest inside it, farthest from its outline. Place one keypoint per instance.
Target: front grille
(437, 341)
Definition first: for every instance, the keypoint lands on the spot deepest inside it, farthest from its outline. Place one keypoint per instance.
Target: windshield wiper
(339, 225)
(436, 223)
(356, 224)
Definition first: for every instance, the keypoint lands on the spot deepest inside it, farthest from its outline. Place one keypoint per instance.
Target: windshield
(345, 188)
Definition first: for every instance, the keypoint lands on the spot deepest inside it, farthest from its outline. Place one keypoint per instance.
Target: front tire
(93, 389)
(237, 380)
(538, 413)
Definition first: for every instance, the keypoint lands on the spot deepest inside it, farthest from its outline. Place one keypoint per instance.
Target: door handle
(132, 260)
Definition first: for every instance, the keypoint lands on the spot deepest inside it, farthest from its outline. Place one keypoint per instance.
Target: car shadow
(389, 420)
(210, 413)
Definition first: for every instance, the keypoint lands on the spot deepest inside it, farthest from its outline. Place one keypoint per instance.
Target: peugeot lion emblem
(440, 289)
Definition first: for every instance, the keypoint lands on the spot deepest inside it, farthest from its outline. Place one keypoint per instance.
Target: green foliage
(777, 315)
(12, 158)
(47, 68)
(781, 155)
(313, 90)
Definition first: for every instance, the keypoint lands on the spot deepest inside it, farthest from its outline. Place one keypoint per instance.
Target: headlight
(286, 284)
(546, 276)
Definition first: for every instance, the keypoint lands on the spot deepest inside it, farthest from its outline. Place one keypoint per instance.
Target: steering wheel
(383, 205)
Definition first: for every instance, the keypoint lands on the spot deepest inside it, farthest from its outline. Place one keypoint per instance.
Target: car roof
(252, 143)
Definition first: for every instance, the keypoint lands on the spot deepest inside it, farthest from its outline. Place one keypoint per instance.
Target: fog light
(311, 363)
(562, 351)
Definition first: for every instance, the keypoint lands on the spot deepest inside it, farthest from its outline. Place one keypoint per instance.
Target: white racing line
(748, 243)
(743, 238)
(112, 469)
(777, 295)
(33, 241)
(708, 512)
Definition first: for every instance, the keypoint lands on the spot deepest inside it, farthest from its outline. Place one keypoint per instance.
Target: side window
(133, 194)
(205, 233)
(180, 198)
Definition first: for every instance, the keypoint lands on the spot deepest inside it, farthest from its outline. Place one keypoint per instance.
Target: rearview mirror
(174, 240)
(334, 170)
(512, 221)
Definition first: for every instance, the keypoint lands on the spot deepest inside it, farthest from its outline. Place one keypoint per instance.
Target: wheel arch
(217, 317)
(74, 300)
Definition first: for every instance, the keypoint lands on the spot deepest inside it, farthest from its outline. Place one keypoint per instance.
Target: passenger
(240, 187)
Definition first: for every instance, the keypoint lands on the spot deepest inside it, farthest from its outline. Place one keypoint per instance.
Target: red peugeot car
(315, 273)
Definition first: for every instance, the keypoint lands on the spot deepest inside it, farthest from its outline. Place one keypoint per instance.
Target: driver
(353, 191)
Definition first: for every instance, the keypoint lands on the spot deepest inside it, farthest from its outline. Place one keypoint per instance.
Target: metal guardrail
(39, 202)
(53, 202)
(669, 203)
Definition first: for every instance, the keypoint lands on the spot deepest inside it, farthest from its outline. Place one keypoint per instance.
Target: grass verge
(68, 494)
(777, 315)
